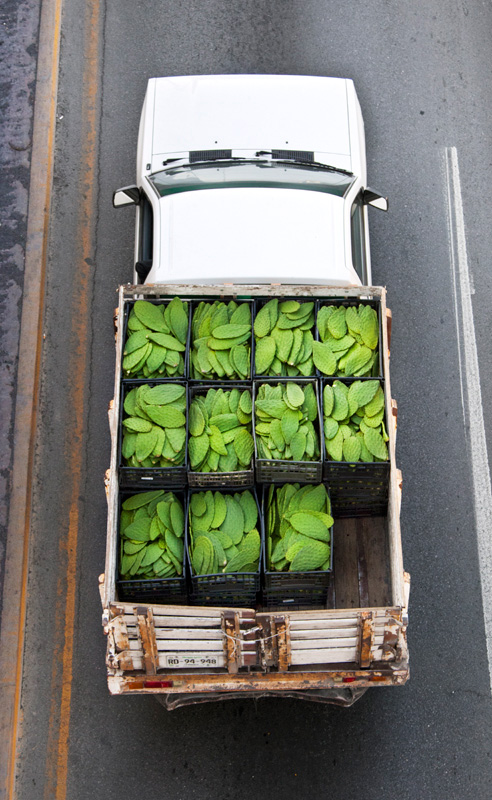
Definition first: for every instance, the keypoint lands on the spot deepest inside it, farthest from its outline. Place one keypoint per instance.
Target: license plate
(190, 660)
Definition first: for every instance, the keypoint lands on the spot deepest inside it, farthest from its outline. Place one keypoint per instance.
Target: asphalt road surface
(422, 73)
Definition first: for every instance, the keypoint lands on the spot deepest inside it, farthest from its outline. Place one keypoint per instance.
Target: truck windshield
(234, 174)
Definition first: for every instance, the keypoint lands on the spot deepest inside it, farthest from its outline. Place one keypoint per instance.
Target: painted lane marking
(27, 394)
(471, 394)
(56, 769)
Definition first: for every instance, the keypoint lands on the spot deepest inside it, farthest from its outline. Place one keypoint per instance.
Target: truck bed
(359, 638)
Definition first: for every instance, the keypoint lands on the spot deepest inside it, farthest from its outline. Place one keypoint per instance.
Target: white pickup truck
(255, 186)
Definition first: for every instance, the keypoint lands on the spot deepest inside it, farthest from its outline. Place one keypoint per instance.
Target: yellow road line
(62, 669)
(17, 551)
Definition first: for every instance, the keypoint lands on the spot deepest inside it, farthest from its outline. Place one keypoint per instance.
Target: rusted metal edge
(283, 642)
(251, 682)
(146, 635)
(366, 638)
(232, 644)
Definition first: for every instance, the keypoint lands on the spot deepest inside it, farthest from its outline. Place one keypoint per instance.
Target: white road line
(470, 385)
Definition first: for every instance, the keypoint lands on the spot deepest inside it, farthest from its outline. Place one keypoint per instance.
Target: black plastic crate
(150, 477)
(337, 301)
(215, 480)
(258, 306)
(155, 301)
(271, 470)
(219, 379)
(360, 488)
(172, 591)
(295, 590)
(236, 589)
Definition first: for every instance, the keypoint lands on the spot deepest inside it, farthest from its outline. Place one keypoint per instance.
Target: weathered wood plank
(348, 613)
(333, 655)
(343, 641)
(181, 633)
(257, 289)
(173, 645)
(324, 627)
(394, 495)
(323, 632)
(362, 566)
(331, 601)
(187, 611)
(178, 622)
(345, 564)
(374, 536)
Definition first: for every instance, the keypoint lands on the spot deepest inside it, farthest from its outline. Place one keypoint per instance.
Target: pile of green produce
(154, 430)
(221, 341)
(298, 522)
(223, 533)
(353, 418)
(284, 338)
(156, 340)
(284, 417)
(349, 340)
(151, 536)
(220, 431)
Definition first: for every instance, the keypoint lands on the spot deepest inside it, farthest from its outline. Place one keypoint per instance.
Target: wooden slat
(323, 626)
(186, 290)
(171, 645)
(345, 563)
(250, 648)
(324, 632)
(331, 593)
(336, 655)
(320, 624)
(177, 611)
(187, 611)
(394, 533)
(178, 622)
(324, 614)
(362, 566)
(389, 325)
(181, 633)
(343, 641)
(375, 540)
(333, 655)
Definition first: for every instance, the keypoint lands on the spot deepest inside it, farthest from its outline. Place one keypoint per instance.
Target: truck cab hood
(247, 113)
(249, 235)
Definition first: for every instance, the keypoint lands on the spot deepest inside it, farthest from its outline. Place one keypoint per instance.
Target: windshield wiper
(301, 159)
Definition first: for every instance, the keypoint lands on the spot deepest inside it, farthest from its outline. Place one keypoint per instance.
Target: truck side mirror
(372, 198)
(127, 196)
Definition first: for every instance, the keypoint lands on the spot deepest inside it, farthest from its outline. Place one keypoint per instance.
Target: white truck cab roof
(253, 177)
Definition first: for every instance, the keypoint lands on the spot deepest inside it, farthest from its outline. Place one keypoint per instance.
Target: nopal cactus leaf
(264, 355)
(149, 315)
(324, 358)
